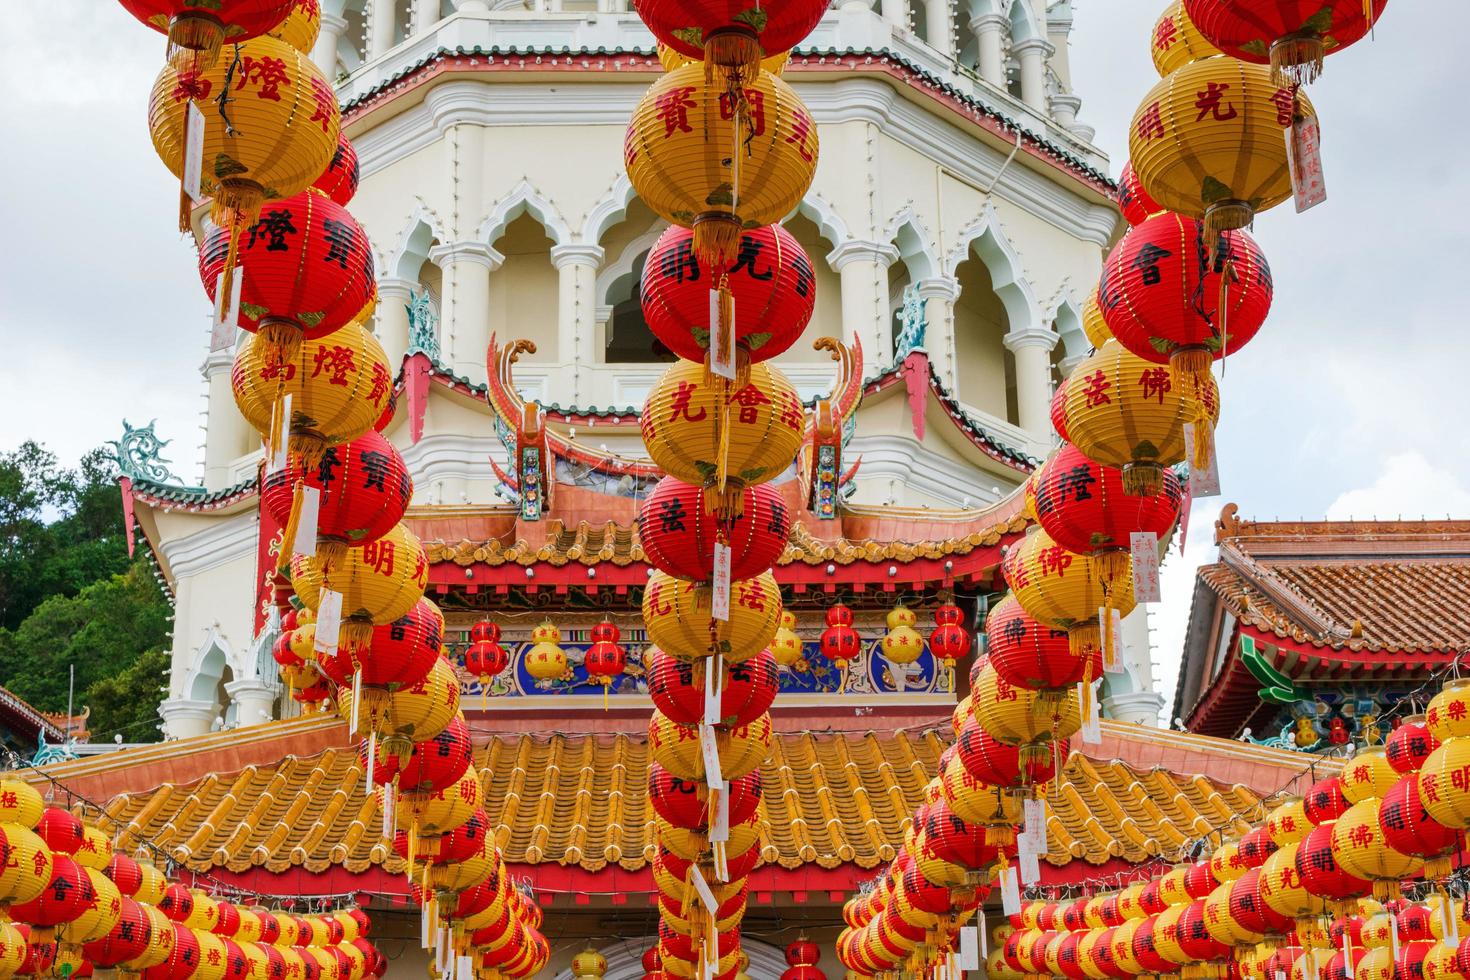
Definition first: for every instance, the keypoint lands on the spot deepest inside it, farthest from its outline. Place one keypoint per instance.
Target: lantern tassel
(1223, 216)
(1297, 59)
(282, 338)
(1142, 479)
(293, 521)
(357, 633)
(738, 52)
(605, 686)
(716, 238)
(722, 450)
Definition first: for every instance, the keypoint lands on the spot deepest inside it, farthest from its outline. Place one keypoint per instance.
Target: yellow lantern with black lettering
(678, 617)
(379, 582)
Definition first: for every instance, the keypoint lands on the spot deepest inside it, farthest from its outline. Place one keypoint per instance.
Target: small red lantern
(678, 534)
(365, 489)
(1409, 829)
(1321, 874)
(605, 659)
(61, 831)
(950, 640)
(339, 180)
(1249, 909)
(128, 939)
(840, 643)
(748, 688)
(1255, 848)
(996, 764)
(771, 282)
(228, 922)
(1059, 409)
(1292, 37)
(1325, 801)
(1027, 654)
(1167, 301)
(803, 952)
(1409, 745)
(951, 839)
(400, 654)
(125, 874)
(308, 271)
(485, 658)
(1133, 200)
(66, 896)
(685, 802)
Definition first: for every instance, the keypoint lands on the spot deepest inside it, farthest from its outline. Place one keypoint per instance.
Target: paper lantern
(949, 641)
(677, 616)
(1409, 745)
(339, 180)
(1292, 37)
(1408, 828)
(1361, 850)
(306, 269)
(40, 954)
(677, 688)
(1321, 874)
(1029, 719)
(433, 763)
(605, 659)
(338, 386)
(786, 646)
(95, 851)
(771, 286)
(410, 714)
(1058, 413)
(1094, 326)
(20, 804)
(1367, 774)
(949, 838)
(12, 950)
(974, 802)
(61, 831)
(1288, 823)
(678, 535)
(102, 912)
(1173, 296)
(840, 643)
(1250, 910)
(1176, 42)
(685, 802)
(902, 644)
(676, 747)
(1209, 141)
(1282, 888)
(1028, 654)
(398, 654)
(379, 582)
(364, 489)
(1064, 590)
(681, 148)
(441, 810)
(273, 138)
(196, 31)
(731, 34)
(1127, 412)
(1325, 801)
(486, 659)
(66, 895)
(1448, 714)
(546, 661)
(1444, 788)
(1083, 506)
(682, 420)
(301, 27)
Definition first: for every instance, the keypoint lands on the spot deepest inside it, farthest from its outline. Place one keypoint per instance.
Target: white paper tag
(1204, 481)
(1143, 547)
(721, 342)
(306, 521)
(356, 702)
(713, 709)
(1034, 834)
(193, 151)
(1304, 156)
(279, 458)
(1280, 975)
(980, 928)
(1393, 935)
(969, 948)
(1347, 955)
(1110, 632)
(1010, 890)
(328, 621)
(1030, 867)
(719, 831)
(1451, 930)
(713, 778)
(1091, 731)
(1310, 964)
(226, 311)
(720, 584)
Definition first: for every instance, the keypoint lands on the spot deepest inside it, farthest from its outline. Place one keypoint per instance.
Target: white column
(1032, 54)
(896, 12)
(184, 718)
(937, 26)
(227, 436)
(939, 295)
(391, 327)
(425, 14)
(381, 27)
(576, 308)
(989, 31)
(1032, 350)
(1064, 109)
(855, 5)
(863, 267)
(1059, 32)
(465, 314)
(324, 53)
(254, 699)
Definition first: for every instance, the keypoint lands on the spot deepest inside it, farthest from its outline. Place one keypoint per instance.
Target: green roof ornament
(139, 455)
(1276, 686)
(423, 325)
(912, 323)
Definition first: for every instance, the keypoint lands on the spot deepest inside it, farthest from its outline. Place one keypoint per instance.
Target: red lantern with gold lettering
(840, 643)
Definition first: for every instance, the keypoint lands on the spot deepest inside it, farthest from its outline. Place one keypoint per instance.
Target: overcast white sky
(1347, 403)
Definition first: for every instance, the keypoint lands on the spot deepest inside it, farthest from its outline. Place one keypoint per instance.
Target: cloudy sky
(1348, 403)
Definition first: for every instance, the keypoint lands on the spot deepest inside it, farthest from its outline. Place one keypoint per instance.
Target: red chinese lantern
(61, 831)
(1167, 301)
(678, 534)
(746, 691)
(177, 902)
(685, 802)
(431, 765)
(1408, 828)
(1409, 745)
(605, 659)
(950, 640)
(1028, 654)
(771, 288)
(1321, 874)
(1325, 801)
(996, 764)
(1292, 36)
(485, 658)
(399, 654)
(1059, 409)
(1133, 200)
(228, 923)
(125, 874)
(40, 954)
(732, 34)
(803, 952)
(67, 895)
(948, 838)
(308, 270)
(196, 31)
(840, 643)
(1256, 847)
(364, 486)
(1083, 506)
(1250, 911)
(339, 180)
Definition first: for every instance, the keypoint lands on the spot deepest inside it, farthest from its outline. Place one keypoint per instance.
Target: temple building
(1304, 633)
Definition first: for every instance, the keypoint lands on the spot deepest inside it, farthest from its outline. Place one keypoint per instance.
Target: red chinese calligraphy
(1151, 123)
(672, 108)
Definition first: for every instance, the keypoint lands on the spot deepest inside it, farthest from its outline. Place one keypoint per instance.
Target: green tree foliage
(69, 595)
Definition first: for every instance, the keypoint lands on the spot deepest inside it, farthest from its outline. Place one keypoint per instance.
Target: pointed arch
(412, 247)
(824, 216)
(207, 668)
(524, 199)
(906, 232)
(1023, 22)
(985, 237)
(606, 213)
(1065, 319)
(610, 274)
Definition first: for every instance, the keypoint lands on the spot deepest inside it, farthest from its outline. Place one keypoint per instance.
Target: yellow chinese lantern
(991, 807)
(786, 646)
(1172, 889)
(379, 582)
(1282, 889)
(700, 163)
(20, 804)
(99, 918)
(96, 849)
(432, 812)
(339, 386)
(1130, 413)
(1359, 847)
(204, 914)
(691, 845)
(301, 26)
(705, 430)
(1094, 324)
(1210, 141)
(1063, 590)
(409, 714)
(1030, 719)
(589, 964)
(546, 661)
(1226, 863)
(677, 616)
(1448, 714)
(1442, 962)
(676, 747)
(211, 955)
(1176, 42)
(457, 876)
(1367, 774)
(1376, 964)
(1444, 783)
(902, 644)
(28, 870)
(1221, 924)
(1288, 823)
(1130, 902)
(271, 139)
(12, 949)
(152, 884)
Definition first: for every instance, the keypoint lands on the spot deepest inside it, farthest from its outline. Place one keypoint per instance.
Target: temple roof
(29, 724)
(832, 799)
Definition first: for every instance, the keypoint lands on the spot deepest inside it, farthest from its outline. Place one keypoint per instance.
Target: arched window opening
(987, 371)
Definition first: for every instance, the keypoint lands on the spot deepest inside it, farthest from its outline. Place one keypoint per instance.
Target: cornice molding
(221, 543)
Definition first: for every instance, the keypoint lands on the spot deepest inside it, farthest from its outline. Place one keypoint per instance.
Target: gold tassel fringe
(716, 239)
(1191, 365)
(282, 339)
(1142, 479)
(1297, 59)
(195, 40)
(330, 552)
(357, 634)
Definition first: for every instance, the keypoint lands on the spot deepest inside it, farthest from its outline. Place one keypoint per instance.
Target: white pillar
(185, 718)
(896, 12)
(324, 52)
(939, 295)
(391, 327)
(424, 14)
(855, 5)
(863, 267)
(1032, 54)
(254, 699)
(464, 316)
(1064, 109)
(576, 308)
(937, 27)
(227, 436)
(1032, 350)
(1059, 32)
(989, 31)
